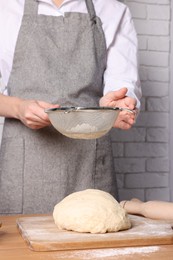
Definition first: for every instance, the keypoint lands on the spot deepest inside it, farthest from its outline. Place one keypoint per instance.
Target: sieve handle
(127, 109)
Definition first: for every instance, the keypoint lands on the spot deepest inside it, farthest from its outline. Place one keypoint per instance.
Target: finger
(116, 95)
(130, 102)
(35, 124)
(47, 105)
(125, 120)
(41, 116)
(126, 116)
(122, 125)
(36, 118)
(41, 113)
(129, 121)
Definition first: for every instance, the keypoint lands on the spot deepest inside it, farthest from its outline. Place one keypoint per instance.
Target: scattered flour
(104, 253)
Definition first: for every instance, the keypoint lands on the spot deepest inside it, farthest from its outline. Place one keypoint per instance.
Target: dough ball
(91, 210)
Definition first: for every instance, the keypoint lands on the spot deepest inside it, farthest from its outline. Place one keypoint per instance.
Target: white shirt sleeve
(122, 60)
(3, 88)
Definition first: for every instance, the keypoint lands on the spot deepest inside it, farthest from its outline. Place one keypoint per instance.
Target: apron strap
(91, 9)
(31, 7)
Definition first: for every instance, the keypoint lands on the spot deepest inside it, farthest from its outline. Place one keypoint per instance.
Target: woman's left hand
(118, 98)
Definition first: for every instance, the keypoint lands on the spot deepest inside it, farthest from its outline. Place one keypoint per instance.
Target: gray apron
(59, 60)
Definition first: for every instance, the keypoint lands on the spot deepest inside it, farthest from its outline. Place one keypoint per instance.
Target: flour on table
(91, 210)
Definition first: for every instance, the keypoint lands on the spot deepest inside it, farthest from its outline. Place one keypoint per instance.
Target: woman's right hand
(31, 113)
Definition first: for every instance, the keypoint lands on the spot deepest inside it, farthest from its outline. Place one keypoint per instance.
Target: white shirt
(121, 39)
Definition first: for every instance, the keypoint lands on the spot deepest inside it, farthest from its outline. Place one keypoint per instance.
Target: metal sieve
(84, 122)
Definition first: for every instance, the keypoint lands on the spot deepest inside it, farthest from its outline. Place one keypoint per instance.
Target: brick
(153, 119)
(157, 135)
(120, 180)
(132, 135)
(162, 194)
(128, 194)
(143, 105)
(155, 89)
(138, 10)
(157, 59)
(157, 164)
(146, 150)
(158, 12)
(118, 149)
(158, 74)
(146, 180)
(143, 73)
(125, 165)
(142, 42)
(159, 43)
(152, 27)
(158, 104)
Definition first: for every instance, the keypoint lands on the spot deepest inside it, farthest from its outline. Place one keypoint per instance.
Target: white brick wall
(142, 164)
(141, 155)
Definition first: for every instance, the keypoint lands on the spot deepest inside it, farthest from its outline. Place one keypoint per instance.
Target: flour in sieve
(84, 128)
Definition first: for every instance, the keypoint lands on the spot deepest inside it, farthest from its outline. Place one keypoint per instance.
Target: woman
(54, 53)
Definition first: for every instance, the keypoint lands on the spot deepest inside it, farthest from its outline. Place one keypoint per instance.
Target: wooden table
(13, 247)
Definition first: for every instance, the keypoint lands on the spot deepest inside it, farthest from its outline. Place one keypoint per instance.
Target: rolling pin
(150, 209)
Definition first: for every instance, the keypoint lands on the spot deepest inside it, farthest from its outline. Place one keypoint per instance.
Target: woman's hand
(31, 113)
(118, 98)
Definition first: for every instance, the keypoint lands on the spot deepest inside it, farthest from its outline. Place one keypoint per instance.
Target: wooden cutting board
(41, 234)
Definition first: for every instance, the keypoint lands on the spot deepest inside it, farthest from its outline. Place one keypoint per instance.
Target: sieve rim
(80, 108)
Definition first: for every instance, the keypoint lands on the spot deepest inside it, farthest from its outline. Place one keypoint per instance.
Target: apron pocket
(11, 175)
